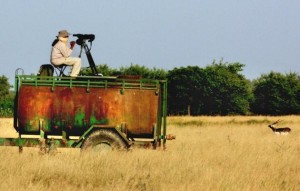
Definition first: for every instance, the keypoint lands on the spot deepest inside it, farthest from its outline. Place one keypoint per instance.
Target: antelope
(279, 131)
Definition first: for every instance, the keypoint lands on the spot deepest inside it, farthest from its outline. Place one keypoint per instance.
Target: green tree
(6, 98)
(185, 90)
(277, 94)
(133, 69)
(225, 90)
(4, 86)
(102, 68)
(218, 89)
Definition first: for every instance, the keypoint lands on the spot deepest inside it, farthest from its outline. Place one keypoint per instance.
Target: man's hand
(72, 44)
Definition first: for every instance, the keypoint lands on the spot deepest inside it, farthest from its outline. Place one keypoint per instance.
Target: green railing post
(164, 113)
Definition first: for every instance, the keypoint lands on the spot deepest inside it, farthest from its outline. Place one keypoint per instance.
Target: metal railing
(88, 82)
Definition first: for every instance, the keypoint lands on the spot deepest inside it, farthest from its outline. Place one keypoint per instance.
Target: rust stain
(76, 109)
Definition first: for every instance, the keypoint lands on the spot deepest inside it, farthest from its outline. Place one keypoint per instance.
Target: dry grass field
(209, 153)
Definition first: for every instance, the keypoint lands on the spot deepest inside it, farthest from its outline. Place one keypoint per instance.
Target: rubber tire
(106, 137)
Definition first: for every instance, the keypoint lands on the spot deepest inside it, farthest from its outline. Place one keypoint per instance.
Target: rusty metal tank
(54, 104)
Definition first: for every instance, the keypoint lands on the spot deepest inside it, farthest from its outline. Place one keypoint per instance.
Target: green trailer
(89, 112)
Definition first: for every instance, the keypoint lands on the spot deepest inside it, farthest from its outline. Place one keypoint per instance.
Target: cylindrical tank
(75, 109)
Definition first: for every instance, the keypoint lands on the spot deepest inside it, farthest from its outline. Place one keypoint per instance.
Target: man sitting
(60, 53)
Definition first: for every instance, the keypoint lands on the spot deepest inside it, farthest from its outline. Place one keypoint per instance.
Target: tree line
(217, 89)
(221, 89)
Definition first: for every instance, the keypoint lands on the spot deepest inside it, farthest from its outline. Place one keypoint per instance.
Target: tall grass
(209, 153)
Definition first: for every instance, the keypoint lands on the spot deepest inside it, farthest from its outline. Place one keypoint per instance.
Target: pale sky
(263, 35)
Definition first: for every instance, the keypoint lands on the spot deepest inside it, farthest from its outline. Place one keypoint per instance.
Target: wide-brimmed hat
(63, 33)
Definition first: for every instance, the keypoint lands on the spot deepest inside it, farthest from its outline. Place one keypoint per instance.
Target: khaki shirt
(60, 51)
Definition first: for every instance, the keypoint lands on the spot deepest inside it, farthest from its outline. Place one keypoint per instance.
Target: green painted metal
(78, 107)
(18, 142)
(164, 114)
(36, 142)
(78, 142)
(87, 81)
(59, 143)
(89, 84)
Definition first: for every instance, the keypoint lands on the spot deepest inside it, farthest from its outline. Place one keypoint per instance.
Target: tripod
(83, 46)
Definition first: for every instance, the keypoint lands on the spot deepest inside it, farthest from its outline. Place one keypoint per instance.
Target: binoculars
(84, 37)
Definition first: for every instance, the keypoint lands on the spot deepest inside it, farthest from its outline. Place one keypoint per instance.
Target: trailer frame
(47, 142)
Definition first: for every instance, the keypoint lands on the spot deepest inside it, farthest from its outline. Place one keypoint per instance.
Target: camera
(84, 37)
(81, 41)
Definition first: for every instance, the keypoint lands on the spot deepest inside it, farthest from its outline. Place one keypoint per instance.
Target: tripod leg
(90, 60)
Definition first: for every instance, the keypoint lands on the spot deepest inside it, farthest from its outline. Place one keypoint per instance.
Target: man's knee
(74, 61)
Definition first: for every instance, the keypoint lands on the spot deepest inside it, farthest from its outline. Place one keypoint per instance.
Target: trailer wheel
(103, 140)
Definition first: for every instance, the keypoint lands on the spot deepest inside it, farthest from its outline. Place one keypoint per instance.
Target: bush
(277, 94)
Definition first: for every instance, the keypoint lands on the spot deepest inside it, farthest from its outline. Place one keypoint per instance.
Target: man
(60, 53)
